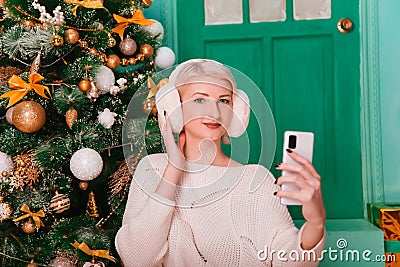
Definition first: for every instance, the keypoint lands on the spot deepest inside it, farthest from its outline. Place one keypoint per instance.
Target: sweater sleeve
(143, 238)
(283, 238)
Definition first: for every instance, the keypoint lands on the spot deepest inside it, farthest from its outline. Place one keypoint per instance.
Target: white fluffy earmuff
(168, 100)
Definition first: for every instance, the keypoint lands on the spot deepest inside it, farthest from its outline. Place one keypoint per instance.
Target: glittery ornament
(93, 51)
(113, 61)
(61, 261)
(9, 115)
(156, 29)
(105, 78)
(128, 46)
(83, 44)
(56, 40)
(59, 203)
(91, 208)
(35, 66)
(25, 171)
(6, 164)
(71, 36)
(29, 227)
(147, 50)
(29, 116)
(70, 117)
(86, 164)
(94, 263)
(28, 23)
(84, 85)
(5, 210)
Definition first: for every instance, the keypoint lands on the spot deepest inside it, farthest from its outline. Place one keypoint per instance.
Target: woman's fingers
(305, 163)
(298, 181)
(296, 169)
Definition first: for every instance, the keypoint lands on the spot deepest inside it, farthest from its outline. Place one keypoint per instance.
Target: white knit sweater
(222, 216)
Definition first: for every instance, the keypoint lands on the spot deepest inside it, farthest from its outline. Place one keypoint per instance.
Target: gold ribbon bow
(137, 18)
(98, 253)
(155, 87)
(84, 3)
(34, 215)
(22, 88)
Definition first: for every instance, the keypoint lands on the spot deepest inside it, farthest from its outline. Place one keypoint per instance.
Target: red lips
(212, 125)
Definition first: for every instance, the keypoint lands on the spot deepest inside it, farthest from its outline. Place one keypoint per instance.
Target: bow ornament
(137, 18)
(21, 88)
(34, 215)
(84, 3)
(98, 253)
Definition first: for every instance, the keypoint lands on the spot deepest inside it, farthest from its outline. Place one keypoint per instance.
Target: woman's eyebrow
(200, 93)
(225, 95)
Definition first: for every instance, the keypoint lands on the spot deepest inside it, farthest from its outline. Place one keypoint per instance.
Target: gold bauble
(124, 62)
(28, 23)
(83, 185)
(5, 210)
(111, 42)
(59, 203)
(29, 227)
(84, 85)
(29, 116)
(103, 57)
(132, 61)
(56, 40)
(4, 174)
(32, 264)
(70, 117)
(83, 44)
(147, 50)
(93, 51)
(146, 3)
(71, 36)
(139, 57)
(149, 106)
(113, 61)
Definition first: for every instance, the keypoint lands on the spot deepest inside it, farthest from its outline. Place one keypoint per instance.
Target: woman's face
(207, 109)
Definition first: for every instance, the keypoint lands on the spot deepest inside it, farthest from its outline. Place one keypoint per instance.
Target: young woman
(195, 206)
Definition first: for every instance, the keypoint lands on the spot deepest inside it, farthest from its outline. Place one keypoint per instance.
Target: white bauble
(6, 163)
(155, 29)
(9, 115)
(94, 264)
(86, 164)
(165, 57)
(105, 78)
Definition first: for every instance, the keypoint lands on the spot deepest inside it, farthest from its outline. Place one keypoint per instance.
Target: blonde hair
(204, 71)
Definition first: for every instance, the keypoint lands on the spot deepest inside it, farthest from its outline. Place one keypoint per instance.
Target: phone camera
(292, 141)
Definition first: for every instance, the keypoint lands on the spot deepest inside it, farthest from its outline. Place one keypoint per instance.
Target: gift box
(387, 217)
(392, 253)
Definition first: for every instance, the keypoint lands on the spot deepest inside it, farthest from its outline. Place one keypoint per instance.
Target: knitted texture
(221, 216)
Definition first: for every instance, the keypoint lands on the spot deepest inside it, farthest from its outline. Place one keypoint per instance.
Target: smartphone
(303, 144)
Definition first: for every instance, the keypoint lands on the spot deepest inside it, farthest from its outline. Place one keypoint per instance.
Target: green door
(309, 73)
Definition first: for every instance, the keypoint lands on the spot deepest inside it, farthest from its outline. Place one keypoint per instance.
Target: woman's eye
(199, 100)
(225, 101)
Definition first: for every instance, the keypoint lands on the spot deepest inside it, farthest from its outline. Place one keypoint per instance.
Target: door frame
(370, 112)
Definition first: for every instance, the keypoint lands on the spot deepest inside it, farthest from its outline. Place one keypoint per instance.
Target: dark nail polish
(289, 150)
(277, 165)
(274, 193)
(165, 113)
(276, 180)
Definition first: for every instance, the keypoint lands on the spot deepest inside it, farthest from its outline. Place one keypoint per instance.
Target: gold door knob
(345, 25)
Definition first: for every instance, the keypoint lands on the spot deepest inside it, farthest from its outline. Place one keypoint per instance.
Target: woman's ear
(168, 99)
(225, 139)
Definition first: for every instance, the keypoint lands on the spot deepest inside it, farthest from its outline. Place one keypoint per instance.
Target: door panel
(309, 74)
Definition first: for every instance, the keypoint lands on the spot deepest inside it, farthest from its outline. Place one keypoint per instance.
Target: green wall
(389, 57)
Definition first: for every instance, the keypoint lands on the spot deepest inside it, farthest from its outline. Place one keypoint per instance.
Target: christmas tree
(69, 70)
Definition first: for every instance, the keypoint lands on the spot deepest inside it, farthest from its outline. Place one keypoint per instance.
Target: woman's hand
(306, 178)
(174, 151)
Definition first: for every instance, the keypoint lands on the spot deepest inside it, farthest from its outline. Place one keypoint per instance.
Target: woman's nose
(213, 109)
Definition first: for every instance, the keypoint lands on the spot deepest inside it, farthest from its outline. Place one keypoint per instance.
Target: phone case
(304, 146)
